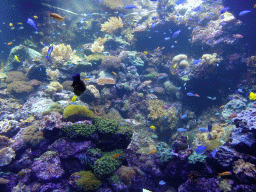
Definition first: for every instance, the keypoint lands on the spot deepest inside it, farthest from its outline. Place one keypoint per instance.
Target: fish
(225, 173)
(49, 52)
(116, 155)
(175, 34)
(21, 27)
(73, 98)
(12, 28)
(114, 73)
(56, 16)
(165, 106)
(254, 6)
(153, 151)
(16, 58)
(252, 96)
(244, 12)
(145, 190)
(196, 61)
(145, 52)
(200, 149)
(238, 36)
(10, 24)
(131, 7)
(167, 38)
(78, 84)
(95, 111)
(184, 116)
(180, 2)
(87, 79)
(214, 152)
(35, 17)
(2, 65)
(162, 182)
(224, 10)
(20, 23)
(202, 129)
(192, 95)
(174, 66)
(9, 43)
(152, 127)
(32, 23)
(182, 130)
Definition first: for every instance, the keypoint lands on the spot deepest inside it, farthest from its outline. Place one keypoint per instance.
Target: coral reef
(86, 180)
(111, 62)
(96, 47)
(77, 110)
(53, 75)
(32, 135)
(105, 126)
(13, 76)
(112, 24)
(93, 91)
(107, 81)
(105, 166)
(126, 174)
(79, 130)
(156, 109)
(19, 88)
(194, 158)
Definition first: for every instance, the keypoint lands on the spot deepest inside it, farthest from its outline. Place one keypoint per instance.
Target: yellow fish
(74, 98)
(35, 17)
(87, 79)
(145, 52)
(11, 24)
(174, 66)
(114, 73)
(20, 23)
(16, 58)
(162, 47)
(2, 79)
(252, 96)
(152, 127)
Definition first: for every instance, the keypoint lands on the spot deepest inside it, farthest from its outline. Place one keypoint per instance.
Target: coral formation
(211, 59)
(245, 167)
(105, 125)
(105, 166)
(77, 110)
(53, 75)
(194, 158)
(87, 181)
(126, 174)
(32, 135)
(112, 24)
(111, 62)
(95, 57)
(13, 76)
(156, 109)
(108, 81)
(93, 90)
(79, 130)
(6, 156)
(19, 88)
(54, 86)
(180, 60)
(97, 47)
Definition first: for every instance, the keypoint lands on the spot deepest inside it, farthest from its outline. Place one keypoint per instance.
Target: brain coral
(111, 62)
(77, 110)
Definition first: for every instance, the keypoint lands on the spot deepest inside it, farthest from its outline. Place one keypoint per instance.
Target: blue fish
(244, 12)
(224, 10)
(202, 129)
(182, 130)
(214, 152)
(200, 149)
(32, 23)
(184, 116)
(180, 2)
(175, 34)
(131, 7)
(162, 182)
(154, 18)
(197, 61)
(48, 55)
(197, 8)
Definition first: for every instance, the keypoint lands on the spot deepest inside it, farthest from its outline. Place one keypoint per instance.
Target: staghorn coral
(53, 75)
(97, 47)
(103, 81)
(156, 109)
(245, 167)
(112, 24)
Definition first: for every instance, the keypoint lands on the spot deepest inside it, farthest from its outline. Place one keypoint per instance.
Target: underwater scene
(128, 96)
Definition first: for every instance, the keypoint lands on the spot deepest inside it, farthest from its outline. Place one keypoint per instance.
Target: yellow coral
(97, 47)
(53, 75)
(156, 109)
(77, 110)
(112, 24)
(211, 59)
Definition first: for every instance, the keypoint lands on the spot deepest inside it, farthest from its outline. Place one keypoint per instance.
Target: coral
(19, 88)
(152, 75)
(32, 135)
(126, 174)
(184, 64)
(164, 152)
(108, 81)
(105, 125)
(180, 60)
(224, 185)
(54, 86)
(13, 76)
(97, 47)
(95, 57)
(67, 85)
(54, 107)
(53, 75)
(247, 117)
(6, 156)
(105, 166)
(5, 141)
(112, 24)
(79, 130)
(156, 109)
(87, 181)
(111, 62)
(245, 167)
(93, 90)
(77, 110)
(170, 89)
(115, 4)
(194, 158)
(144, 84)
(213, 144)
(211, 59)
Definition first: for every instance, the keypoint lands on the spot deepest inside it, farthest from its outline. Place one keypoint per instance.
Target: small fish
(95, 111)
(114, 73)
(214, 152)
(224, 10)
(200, 149)
(16, 58)
(184, 116)
(182, 130)
(35, 17)
(167, 38)
(48, 55)
(153, 151)
(163, 48)
(244, 12)
(196, 61)
(145, 52)
(2, 65)
(9, 43)
(152, 127)
(192, 95)
(166, 106)
(73, 98)
(11, 25)
(175, 66)
(225, 173)
(21, 27)
(162, 182)
(20, 23)
(175, 34)
(116, 155)
(131, 7)
(36, 59)
(12, 28)
(202, 129)
(254, 6)
(32, 23)
(87, 79)
(56, 16)
(238, 36)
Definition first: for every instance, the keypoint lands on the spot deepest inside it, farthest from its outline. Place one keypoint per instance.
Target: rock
(48, 166)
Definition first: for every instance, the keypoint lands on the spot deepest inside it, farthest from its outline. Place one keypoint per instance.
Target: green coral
(164, 152)
(138, 117)
(32, 135)
(95, 152)
(95, 57)
(105, 125)
(105, 166)
(79, 130)
(152, 75)
(194, 158)
(54, 107)
(87, 181)
(214, 144)
(126, 105)
(77, 110)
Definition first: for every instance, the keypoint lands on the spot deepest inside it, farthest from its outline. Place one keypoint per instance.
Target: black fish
(209, 127)
(78, 84)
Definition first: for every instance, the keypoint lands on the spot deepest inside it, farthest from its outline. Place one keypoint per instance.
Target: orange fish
(87, 79)
(9, 43)
(254, 6)
(152, 152)
(157, 48)
(197, 95)
(2, 65)
(222, 106)
(20, 23)
(95, 112)
(56, 16)
(36, 59)
(114, 73)
(238, 36)
(162, 47)
(225, 173)
(35, 17)
(116, 155)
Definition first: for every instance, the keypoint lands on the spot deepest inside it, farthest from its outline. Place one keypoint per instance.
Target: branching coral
(156, 109)
(53, 75)
(112, 24)
(97, 47)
